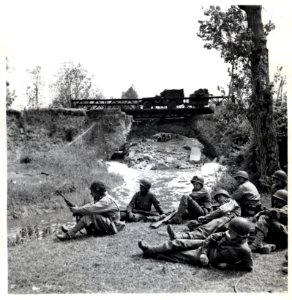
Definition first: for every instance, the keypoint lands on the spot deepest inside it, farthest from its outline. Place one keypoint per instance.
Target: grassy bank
(34, 178)
(114, 264)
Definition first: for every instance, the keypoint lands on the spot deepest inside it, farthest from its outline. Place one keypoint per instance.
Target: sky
(149, 44)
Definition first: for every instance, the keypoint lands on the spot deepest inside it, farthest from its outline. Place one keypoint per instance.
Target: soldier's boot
(257, 243)
(70, 234)
(174, 236)
(267, 248)
(143, 246)
(259, 246)
(63, 236)
(64, 228)
(284, 270)
(152, 250)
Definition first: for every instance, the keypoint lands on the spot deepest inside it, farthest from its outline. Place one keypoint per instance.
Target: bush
(228, 130)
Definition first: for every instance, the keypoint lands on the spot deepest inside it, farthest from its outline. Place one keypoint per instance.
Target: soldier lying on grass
(215, 221)
(102, 217)
(139, 207)
(194, 205)
(224, 250)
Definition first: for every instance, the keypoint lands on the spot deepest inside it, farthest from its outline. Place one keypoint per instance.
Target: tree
(241, 40)
(34, 88)
(72, 82)
(130, 93)
(10, 93)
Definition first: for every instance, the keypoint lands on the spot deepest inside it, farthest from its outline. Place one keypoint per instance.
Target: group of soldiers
(222, 235)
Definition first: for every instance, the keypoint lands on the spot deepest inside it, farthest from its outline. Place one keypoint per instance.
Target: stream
(167, 185)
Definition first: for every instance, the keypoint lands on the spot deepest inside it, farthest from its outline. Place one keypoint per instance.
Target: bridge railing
(138, 103)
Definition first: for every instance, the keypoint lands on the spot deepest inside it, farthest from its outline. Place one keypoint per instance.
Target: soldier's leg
(203, 231)
(181, 211)
(189, 256)
(277, 234)
(103, 225)
(83, 223)
(135, 217)
(176, 235)
(261, 231)
(169, 246)
(194, 209)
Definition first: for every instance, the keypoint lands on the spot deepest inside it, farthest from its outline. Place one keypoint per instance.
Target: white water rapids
(167, 185)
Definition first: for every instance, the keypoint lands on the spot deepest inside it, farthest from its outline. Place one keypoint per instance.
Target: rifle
(139, 211)
(159, 223)
(69, 204)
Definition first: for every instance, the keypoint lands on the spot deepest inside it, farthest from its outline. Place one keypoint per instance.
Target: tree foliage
(10, 93)
(130, 93)
(228, 33)
(34, 87)
(240, 37)
(72, 82)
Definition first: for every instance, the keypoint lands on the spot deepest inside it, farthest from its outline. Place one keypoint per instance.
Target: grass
(115, 264)
(69, 170)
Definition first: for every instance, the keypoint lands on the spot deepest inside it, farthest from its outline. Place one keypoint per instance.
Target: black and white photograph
(145, 148)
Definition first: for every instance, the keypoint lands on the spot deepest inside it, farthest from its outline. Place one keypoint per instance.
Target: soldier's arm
(211, 240)
(238, 194)
(131, 205)
(245, 263)
(212, 215)
(102, 206)
(157, 205)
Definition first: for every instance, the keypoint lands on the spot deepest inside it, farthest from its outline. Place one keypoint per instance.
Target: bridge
(135, 107)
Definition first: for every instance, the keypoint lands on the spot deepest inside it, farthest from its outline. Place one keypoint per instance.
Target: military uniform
(248, 198)
(271, 230)
(215, 221)
(218, 248)
(274, 226)
(143, 202)
(98, 218)
(194, 205)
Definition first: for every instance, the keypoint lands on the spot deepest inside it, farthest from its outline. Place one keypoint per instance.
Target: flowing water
(167, 185)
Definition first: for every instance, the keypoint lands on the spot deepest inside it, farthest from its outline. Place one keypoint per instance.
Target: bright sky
(151, 44)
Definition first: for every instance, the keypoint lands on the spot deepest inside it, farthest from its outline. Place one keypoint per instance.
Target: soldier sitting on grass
(139, 207)
(246, 195)
(279, 183)
(224, 250)
(271, 228)
(102, 217)
(194, 205)
(215, 221)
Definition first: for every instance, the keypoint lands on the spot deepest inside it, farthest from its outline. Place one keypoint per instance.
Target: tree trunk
(261, 114)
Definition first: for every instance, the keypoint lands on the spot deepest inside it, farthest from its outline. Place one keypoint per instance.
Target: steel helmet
(145, 183)
(281, 175)
(198, 178)
(242, 174)
(281, 195)
(98, 186)
(241, 226)
(221, 192)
